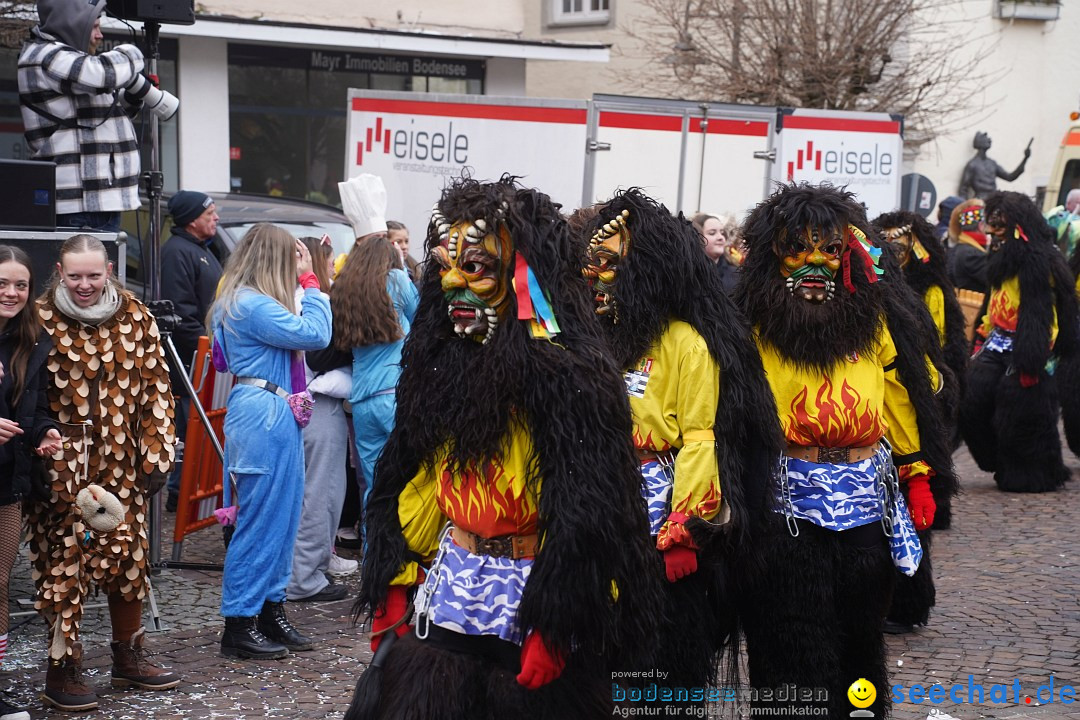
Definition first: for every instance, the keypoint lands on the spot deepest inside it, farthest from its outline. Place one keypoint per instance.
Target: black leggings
(10, 532)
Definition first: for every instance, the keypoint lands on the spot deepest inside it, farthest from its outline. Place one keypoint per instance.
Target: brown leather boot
(64, 686)
(132, 667)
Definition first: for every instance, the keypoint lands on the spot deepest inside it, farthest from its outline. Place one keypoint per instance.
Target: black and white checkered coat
(94, 144)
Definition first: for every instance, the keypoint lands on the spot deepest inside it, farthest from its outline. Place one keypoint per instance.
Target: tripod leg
(154, 615)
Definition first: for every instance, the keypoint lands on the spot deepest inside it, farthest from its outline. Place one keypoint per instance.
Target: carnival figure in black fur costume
(704, 421)
(1068, 377)
(923, 260)
(846, 356)
(1009, 415)
(513, 426)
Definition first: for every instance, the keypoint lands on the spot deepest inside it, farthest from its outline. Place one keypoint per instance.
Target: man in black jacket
(191, 283)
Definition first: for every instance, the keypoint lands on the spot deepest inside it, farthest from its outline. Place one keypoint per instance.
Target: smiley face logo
(862, 693)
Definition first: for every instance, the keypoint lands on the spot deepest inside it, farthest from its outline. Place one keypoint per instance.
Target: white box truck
(690, 156)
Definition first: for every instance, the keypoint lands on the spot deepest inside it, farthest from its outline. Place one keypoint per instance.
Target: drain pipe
(704, 137)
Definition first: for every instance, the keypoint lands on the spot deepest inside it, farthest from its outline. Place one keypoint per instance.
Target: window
(580, 12)
(1070, 180)
(1027, 9)
(287, 110)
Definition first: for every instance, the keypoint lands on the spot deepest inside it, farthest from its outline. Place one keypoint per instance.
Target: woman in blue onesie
(376, 302)
(258, 334)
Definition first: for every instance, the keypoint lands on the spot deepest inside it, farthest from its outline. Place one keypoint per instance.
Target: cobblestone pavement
(1008, 580)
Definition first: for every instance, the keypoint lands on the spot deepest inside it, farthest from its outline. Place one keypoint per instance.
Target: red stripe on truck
(798, 122)
(637, 121)
(570, 116)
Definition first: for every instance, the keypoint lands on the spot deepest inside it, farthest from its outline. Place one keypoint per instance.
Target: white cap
(363, 198)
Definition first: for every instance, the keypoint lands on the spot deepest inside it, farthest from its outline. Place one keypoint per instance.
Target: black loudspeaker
(167, 12)
(29, 191)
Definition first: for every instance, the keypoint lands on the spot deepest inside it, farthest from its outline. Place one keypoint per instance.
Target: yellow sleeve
(934, 299)
(421, 520)
(903, 428)
(696, 490)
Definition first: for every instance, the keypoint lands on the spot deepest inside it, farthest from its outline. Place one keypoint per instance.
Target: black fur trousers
(1068, 379)
(914, 596)
(425, 681)
(812, 610)
(1011, 430)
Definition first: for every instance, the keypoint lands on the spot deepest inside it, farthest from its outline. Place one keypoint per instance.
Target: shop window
(579, 12)
(287, 111)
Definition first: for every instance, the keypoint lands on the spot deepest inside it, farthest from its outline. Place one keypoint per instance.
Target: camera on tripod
(165, 314)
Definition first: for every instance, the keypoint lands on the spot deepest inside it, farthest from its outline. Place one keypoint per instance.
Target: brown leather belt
(663, 456)
(835, 455)
(509, 546)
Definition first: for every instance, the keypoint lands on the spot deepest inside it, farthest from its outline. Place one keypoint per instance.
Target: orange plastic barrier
(201, 477)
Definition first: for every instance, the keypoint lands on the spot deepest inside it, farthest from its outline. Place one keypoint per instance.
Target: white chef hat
(363, 198)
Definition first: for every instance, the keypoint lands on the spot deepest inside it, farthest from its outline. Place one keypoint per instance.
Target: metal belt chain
(422, 601)
(785, 497)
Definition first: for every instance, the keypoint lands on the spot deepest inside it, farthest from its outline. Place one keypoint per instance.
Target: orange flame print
(1003, 312)
(485, 502)
(844, 421)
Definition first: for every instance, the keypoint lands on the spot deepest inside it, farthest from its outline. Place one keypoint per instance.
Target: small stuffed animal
(101, 510)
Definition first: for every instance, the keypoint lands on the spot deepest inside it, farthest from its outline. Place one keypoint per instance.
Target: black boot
(242, 639)
(274, 624)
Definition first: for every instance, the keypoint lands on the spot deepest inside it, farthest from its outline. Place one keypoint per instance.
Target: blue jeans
(93, 221)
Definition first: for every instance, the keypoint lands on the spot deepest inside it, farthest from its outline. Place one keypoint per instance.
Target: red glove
(391, 612)
(308, 280)
(921, 502)
(1027, 380)
(539, 664)
(679, 562)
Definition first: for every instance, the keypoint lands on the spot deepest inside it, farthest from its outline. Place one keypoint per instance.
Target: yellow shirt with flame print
(673, 393)
(1003, 310)
(490, 501)
(854, 404)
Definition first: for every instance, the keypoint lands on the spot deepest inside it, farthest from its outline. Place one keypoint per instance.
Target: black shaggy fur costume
(813, 605)
(1011, 430)
(1068, 381)
(921, 276)
(666, 275)
(592, 523)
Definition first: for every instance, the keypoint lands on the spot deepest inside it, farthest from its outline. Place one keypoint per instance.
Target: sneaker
(331, 593)
(12, 712)
(340, 567)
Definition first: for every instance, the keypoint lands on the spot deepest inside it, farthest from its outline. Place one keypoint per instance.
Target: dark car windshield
(341, 235)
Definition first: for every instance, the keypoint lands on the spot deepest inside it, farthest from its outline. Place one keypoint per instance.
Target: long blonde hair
(263, 261)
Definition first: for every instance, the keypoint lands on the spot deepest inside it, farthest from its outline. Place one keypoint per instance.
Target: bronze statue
(981, 173)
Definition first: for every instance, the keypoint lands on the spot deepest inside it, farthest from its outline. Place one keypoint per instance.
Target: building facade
(263, 83)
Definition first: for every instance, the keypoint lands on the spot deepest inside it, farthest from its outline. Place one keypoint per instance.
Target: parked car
(238, 212)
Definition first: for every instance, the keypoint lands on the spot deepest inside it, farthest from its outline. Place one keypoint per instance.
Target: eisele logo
(842, 161)
(435, 145)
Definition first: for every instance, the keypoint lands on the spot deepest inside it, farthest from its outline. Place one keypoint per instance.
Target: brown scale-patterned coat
(109, 389)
